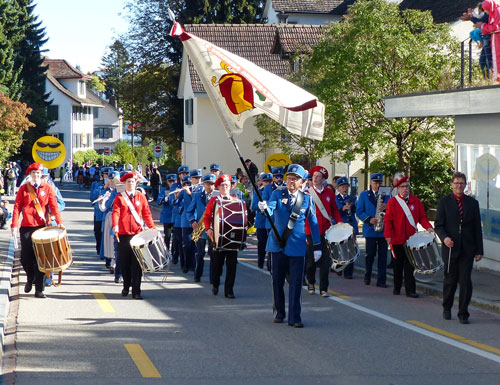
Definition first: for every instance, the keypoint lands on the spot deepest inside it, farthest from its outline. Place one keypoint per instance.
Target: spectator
(155, 183)
(252, 168)
(492, 8)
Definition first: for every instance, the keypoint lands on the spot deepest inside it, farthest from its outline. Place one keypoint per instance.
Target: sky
(79, 31)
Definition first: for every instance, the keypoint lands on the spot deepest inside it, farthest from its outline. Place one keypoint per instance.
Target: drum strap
(139, 221)
(317, 202)
(36, 202)
(293, 218)
(407, 211)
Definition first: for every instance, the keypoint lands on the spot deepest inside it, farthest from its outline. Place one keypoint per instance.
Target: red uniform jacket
(327, 196)
(396, 225)
(122, 216)
(24, 204)
(209, 211)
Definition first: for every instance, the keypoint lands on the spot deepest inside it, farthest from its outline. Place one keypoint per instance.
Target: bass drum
(229, 224)
(423, 253)
(342, 245)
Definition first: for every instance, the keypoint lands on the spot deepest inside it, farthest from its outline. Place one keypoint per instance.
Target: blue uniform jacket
(365, 210)
(280, 210)
(95, 192)
(182, 204)
(351, 219)
(166, 211)
(197, 206)
(261, 221)
(174, 203)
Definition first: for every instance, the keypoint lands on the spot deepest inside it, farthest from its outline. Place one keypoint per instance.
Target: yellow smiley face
(49, 151)
(277, 160)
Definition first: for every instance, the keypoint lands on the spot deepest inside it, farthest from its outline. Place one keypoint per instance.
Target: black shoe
(367, 281)
(396, 291)
(412, 295)
(215, 290)
(229, 295)
(39, 294)
(339, 273)
(278, 320)
(463, 320)
(184, 270)
(447, 314)
(175, 261)
(196, 279)
(391, 264)
(260, 265)
(297, 325)
(28, 286)
(136, 296)
(304, 283)
(382, 285)
(124, 292)
(111, 270)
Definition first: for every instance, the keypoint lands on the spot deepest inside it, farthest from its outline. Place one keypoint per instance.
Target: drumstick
(117, 237)
(392, 251)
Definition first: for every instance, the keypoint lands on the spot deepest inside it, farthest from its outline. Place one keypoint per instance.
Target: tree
(13, 123)
(96, 84)
(10, 35)
(118, 67)
(377, 51)
(124, 150)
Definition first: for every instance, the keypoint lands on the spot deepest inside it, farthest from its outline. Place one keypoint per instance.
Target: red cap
(222, 178)
(34, 166)
(402, 180)
(126, 176)
(320, 169)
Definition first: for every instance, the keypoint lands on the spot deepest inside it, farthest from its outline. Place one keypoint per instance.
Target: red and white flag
(239, 89)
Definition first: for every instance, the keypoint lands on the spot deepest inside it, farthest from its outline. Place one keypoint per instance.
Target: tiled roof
(336, 7)
(61, 69)
(259, 43)
(83, 101)
(444, 11)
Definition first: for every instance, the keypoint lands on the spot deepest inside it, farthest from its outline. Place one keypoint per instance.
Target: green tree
(118, 68)
(144, 154)
(90, 156)
(377, 51)
(124, 151)
(11, 34)
(96, 84)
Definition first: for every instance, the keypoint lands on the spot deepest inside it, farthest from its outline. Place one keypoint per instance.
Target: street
(85, 331)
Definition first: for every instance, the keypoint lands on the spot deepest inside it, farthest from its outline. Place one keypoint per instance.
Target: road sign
(158, 150)
(107, 150)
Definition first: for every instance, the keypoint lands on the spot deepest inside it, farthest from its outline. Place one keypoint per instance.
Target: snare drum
(229, 224)
(423, 253)
(52, 250)
(150, 250)
(342, 246)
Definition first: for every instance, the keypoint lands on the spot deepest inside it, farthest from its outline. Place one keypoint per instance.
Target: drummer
(34, 212)
(130, 211)
(404, 212)
(223, 184)
(327, 214)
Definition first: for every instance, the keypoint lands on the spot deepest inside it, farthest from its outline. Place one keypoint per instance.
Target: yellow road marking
(103, 301)
(77, 263)
(142, 361)
(456, 337)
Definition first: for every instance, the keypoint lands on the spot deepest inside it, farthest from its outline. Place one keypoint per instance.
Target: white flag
(239, 89)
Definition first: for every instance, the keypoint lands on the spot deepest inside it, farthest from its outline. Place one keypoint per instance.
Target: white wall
(108, 117)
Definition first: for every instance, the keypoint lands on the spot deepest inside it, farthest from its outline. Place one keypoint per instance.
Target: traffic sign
(107, 150)
(158, 150)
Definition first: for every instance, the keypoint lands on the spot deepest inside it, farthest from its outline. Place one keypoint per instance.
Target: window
(53, 112)
(188, 110)
(96, 112)
(77, 140)
(81, 87)
(81, 113)
(103, 132)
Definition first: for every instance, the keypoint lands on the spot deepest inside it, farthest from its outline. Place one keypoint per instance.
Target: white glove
(262, 205)
(317, 255)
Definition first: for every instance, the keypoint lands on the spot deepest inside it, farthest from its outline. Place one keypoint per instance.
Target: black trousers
(98, 235)
(403, 265)
(28, 259)
(130, 268)
(167, 230)
(218, 257)
(324, 263)
(460, 271)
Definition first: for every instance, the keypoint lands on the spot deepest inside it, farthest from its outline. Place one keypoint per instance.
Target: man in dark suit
(458, 225)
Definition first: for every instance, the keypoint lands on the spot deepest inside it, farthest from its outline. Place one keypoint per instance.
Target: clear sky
(81, 30)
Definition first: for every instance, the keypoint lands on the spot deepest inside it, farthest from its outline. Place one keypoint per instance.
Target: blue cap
(214, 166)
(113, 174)
(209, 178)
(196, 173)
(106, 170)
(267, 176)
(297, 169)
(342, 181)
(171, 177)
(308, 176)
(277, 170)
(186, 179)
(234, 179)
(45, 171)
(182, 169)
(377, 177)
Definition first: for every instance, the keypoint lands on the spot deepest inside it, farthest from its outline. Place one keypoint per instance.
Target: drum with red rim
(229, 224)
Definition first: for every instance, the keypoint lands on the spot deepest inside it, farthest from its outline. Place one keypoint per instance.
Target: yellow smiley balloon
(49, 151)
(277, 160)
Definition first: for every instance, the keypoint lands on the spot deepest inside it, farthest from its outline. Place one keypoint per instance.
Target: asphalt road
(86, 332)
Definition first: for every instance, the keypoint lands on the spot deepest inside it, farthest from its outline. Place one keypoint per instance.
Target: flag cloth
(239, 89)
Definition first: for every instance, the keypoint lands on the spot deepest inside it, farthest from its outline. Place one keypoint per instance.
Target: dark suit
(468, 242)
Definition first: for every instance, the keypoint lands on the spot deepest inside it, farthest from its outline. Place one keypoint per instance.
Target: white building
(305, 11)
(108, 123)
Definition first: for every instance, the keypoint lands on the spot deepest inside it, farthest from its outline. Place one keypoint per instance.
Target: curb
(5, 287)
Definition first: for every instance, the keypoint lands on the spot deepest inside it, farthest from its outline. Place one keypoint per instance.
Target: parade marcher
(130, 212)
(223, 184)
(175, 189)
(261, 223)
(347, 208)
(289, 208)
(375, 241)
(403, 213)
(235, 190)
(166, 211)
(327, 214)
(458, 225)
(278, 173)
(33, 200)
(194, 213)
(182, 202)
(95, 192)
(215, 169)
(395, 180)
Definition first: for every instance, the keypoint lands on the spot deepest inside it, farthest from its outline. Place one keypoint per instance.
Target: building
(305, 11)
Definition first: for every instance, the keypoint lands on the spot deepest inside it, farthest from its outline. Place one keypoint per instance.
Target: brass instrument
(196, 235)
(379, 214)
